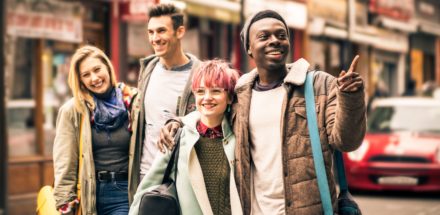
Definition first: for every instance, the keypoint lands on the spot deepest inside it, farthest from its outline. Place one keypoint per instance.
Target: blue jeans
(112, 197)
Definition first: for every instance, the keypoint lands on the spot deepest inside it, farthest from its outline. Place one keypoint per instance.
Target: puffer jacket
(66, 155)
(185, 105)
(341, 124)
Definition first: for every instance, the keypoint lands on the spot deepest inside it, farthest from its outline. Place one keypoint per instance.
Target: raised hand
(350, 81)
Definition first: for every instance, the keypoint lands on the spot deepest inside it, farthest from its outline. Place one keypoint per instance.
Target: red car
(401, 150)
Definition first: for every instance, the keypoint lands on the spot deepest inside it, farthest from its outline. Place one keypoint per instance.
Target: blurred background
(398, 41)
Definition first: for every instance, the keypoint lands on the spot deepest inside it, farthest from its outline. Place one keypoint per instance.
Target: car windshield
(404, 118)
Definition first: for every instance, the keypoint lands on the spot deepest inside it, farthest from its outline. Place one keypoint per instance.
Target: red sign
(136, 10)
(43, 25)
(397, 9)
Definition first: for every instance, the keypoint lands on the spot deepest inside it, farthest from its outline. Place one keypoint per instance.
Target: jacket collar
(192, 118)
(296, 75)
(194, 168)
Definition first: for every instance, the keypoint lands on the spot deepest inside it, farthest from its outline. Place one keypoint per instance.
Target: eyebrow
(266, 30)
(158, 28)
(92, 69)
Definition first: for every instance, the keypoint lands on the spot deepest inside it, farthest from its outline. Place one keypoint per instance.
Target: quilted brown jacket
(341, 124)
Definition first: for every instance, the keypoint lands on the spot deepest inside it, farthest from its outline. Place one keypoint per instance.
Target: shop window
(20, 98)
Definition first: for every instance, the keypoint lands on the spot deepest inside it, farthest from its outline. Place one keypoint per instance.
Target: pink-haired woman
(205, 177)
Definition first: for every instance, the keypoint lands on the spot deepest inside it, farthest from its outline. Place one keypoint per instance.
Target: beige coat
(65, 156)
(341, 123)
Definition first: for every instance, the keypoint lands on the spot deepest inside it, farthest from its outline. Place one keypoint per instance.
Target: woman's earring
(228, 108)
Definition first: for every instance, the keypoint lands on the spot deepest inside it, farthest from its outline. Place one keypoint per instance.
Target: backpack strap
(318, 158)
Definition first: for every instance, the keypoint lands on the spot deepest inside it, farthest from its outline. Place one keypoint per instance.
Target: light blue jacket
(191, 189)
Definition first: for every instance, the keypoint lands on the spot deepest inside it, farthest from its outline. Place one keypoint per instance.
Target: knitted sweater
(215, 170)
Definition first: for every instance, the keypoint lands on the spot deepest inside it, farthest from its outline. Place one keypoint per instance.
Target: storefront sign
(136, 10)
(227, 11)
(46, 19)
(397, 9)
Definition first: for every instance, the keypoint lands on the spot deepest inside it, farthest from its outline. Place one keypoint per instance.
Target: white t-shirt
(267, 190)
(163, 90)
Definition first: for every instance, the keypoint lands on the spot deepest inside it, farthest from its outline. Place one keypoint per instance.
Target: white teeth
(208, 105)
(98, 84)
(275, 52)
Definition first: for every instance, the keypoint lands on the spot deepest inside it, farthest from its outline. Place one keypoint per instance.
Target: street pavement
(399, 203)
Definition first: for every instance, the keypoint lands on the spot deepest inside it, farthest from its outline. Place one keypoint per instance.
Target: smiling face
(211, 102)
(162, 36)
(94, 75)
(269, 43)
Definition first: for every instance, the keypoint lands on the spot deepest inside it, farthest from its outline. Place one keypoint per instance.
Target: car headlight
(359, 153)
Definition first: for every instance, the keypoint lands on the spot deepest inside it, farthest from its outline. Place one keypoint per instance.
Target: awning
(372, 36)
(294, 13)
(392, 42)
(337, 33)
(389, 23)
(429, 27)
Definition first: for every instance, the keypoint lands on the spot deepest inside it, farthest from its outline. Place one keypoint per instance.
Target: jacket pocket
(300, 119)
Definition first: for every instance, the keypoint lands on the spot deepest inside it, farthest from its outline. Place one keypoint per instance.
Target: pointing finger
(354, 63)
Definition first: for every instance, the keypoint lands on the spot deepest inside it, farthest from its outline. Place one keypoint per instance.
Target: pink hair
(216, 73)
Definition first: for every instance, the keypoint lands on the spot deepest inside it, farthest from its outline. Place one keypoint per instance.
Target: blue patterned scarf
(110, 112)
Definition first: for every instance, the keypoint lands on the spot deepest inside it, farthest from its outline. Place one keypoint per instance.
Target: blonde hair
(80, 92)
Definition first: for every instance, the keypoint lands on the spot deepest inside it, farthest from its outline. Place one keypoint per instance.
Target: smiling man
(274, 165)
(164, 81)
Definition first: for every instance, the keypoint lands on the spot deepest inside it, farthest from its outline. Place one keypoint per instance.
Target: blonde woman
(99, 116)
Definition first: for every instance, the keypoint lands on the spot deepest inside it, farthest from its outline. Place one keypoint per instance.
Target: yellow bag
(46, 202)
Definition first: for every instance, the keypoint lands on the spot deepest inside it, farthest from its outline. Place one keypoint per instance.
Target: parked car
(401, 150)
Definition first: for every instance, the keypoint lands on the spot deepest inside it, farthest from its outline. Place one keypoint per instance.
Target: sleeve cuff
(67, 208)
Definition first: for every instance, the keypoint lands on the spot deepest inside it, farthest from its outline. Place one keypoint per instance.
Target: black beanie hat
(244, 35)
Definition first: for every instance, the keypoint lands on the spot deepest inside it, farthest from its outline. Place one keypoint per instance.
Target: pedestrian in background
(99, 116)
(164, 82)
(274, 164)
(205, 174)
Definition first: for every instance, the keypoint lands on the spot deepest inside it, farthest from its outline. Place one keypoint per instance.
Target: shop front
(425, 45)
